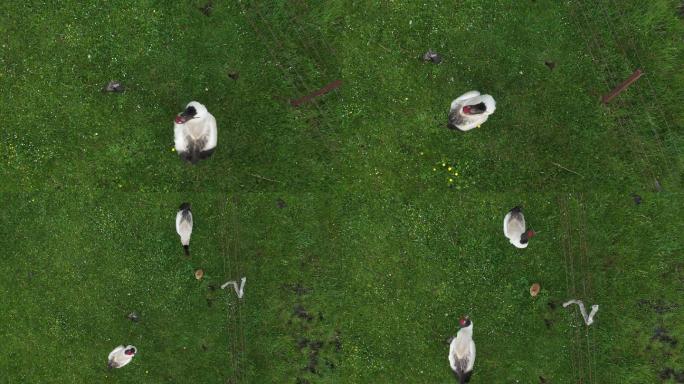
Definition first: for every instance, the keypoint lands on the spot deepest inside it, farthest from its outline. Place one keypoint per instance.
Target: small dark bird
(432, 56)
(133, 316)
(184, 226)
(234, 75)
(550, 64)
(114, 86)
(637, 199)
(281, 203)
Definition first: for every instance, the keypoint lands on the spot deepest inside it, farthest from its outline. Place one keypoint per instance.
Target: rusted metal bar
(607, 98)
(324, 90)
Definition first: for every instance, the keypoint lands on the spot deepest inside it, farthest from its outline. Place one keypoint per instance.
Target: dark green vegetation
(360, 254)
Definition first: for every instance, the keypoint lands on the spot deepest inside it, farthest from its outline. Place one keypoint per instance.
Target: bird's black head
(476, 109)
(526, 236)
(186, 115)
(189, 112)
(464, 322)
(130, 351)
(184, 206)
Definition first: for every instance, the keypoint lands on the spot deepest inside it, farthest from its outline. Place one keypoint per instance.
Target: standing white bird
(121, 356)
(514, 228)
(462, 351)
(195, 133)
(184, 226)
(470, 110)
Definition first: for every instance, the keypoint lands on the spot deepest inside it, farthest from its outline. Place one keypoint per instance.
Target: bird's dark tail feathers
(516, 209)
(186, 248)
(195, 149)
(463, 377)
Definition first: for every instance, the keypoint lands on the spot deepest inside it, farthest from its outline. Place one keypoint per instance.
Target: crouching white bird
(462, 351)
(470, 110)
(184, 226)
(121, 356)
(514, 228)
(195, 133)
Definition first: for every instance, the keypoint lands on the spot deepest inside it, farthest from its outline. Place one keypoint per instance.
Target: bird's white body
(514, 227)
(465, 122)
(462, 352)
(184, 226)
(118, 357)
(196, 138)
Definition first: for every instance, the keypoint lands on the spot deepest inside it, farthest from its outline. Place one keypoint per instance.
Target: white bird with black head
(514, 228)
(121, 356)
(184, 226)
(462, 351)
(470, 110)
(195, 133)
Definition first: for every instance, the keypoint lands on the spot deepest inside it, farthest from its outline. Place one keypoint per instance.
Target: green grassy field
(360, 248)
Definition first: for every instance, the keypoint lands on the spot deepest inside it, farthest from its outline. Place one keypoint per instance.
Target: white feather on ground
(239, 290)
(588, 319)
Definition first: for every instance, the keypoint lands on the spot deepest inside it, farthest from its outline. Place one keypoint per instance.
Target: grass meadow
(364, 226)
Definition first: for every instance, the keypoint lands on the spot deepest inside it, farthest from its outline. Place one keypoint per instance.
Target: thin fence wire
(623, 121)
(591, 342)
(614, 38)
(306, 86)
(232, 331)
(565, 246)
(590, 355)
(585, 273)
(298, 82)
(239, 272)
(647, 79)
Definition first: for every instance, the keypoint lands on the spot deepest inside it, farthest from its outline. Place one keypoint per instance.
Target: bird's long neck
(195, 127)
(464, 337)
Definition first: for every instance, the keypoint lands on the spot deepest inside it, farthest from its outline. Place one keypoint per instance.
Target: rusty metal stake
(607, 98)
(324, 90)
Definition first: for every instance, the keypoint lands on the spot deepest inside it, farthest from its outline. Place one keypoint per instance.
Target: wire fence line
(589, 293)
(239, 272)
(235, 316)
(569, 273)
(594, 46)
(584, 361)
(300, 83)
(614, 36)
(227, 271)
(575, 251)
